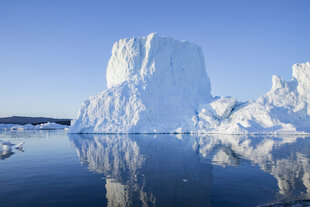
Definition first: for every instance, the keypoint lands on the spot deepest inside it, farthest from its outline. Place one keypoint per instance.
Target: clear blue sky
(54, 53)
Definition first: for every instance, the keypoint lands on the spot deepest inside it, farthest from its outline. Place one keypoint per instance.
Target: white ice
(6, 147)
(160, 85)
(46, 126)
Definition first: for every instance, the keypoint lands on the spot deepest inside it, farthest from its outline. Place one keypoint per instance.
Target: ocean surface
(59, 169)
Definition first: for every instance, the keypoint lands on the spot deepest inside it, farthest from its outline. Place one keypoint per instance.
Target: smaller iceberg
(285, 109)
(6, 148)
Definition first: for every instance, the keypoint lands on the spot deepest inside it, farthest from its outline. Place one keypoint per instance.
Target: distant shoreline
(22, 120)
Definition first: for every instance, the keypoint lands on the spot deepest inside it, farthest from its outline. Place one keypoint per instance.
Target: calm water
(57, 169)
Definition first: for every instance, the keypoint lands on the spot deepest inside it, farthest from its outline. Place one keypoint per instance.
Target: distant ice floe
(160, 85)
(46, 126)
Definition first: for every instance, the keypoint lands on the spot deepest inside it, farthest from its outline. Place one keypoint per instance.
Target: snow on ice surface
(160, 85)
(284, 109)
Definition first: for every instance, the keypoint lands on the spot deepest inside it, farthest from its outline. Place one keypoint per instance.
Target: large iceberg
(160, 85)
(154, 85)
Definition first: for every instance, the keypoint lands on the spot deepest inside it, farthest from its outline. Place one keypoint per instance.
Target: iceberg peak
(141, 57)
(277, 82)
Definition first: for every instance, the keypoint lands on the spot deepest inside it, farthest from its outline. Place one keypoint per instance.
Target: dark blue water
(57, 169)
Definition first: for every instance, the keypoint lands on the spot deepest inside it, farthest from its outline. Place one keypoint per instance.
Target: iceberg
(284, 109)
(154, 85)
(157, 84)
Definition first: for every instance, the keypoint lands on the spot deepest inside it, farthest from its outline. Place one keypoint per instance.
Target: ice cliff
(154, 85)
(160, 85)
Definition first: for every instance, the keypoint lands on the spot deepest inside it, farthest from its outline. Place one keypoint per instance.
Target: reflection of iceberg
(122, 195)
(287, 159)
(111, 155)
(16, 134)
(5, 154)
(147, 170)
(9, 137)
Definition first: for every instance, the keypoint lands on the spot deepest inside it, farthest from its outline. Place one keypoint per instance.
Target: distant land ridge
(22, 120)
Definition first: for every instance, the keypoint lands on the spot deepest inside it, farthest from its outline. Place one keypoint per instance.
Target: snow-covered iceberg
(284, 109)
(154, 85)
(160, 85)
